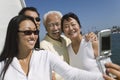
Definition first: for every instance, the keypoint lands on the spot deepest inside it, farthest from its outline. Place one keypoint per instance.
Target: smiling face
(34, 15)
(27, 41)
(71, 28)
(53, 26)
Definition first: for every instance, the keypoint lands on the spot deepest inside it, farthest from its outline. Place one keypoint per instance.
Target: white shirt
(41, 65)
(84, 59)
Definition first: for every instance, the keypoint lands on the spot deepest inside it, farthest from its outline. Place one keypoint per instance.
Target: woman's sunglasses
(29, 32)
(37, 19)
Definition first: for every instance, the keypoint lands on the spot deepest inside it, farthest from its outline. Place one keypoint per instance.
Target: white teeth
(31, 42)
(56, 32)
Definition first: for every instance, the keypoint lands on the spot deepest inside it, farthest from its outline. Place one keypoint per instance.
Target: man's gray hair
(51, 12)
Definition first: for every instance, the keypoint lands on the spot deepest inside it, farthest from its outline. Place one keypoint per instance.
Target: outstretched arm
(71, 73)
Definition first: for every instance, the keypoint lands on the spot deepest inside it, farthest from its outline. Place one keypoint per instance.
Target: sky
(93, 14)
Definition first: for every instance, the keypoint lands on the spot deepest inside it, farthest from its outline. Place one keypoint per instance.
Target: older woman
(82, 53)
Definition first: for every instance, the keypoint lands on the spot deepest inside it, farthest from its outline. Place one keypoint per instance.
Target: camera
(104, 37)
(104, 50)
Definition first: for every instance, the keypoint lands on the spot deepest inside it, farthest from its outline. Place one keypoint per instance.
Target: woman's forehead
(27, 24)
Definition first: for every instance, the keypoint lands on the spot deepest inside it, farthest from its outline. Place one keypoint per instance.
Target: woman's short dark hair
(22, 12)
(10, 49)
(68, 16)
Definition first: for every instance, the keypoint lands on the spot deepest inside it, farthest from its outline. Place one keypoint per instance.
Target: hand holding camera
(114, 69)
(104, 50)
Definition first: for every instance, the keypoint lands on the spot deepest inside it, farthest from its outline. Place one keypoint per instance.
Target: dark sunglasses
(29, 32)
(37, 19)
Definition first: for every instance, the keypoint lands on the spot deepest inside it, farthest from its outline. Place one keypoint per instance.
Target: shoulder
(64, 37)
(44, 42)
(69, 46)
(86, 43)
(46, 45)
(42, 53)
(67, 40)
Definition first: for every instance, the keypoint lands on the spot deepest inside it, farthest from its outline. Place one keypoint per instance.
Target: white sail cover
(8, 9)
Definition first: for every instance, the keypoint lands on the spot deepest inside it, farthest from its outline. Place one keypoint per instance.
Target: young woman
(20, 60)
(32, 12)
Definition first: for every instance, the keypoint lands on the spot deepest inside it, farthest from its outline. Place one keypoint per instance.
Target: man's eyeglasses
(37, 19)
(29, 32)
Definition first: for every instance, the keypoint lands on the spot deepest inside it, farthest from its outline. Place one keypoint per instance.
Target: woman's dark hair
(67, 18)
(10, 49)
(22, 12)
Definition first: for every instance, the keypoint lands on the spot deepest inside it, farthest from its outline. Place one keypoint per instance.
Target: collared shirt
(57, 47)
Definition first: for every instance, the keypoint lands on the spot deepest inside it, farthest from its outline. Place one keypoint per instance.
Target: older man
(53, 40)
